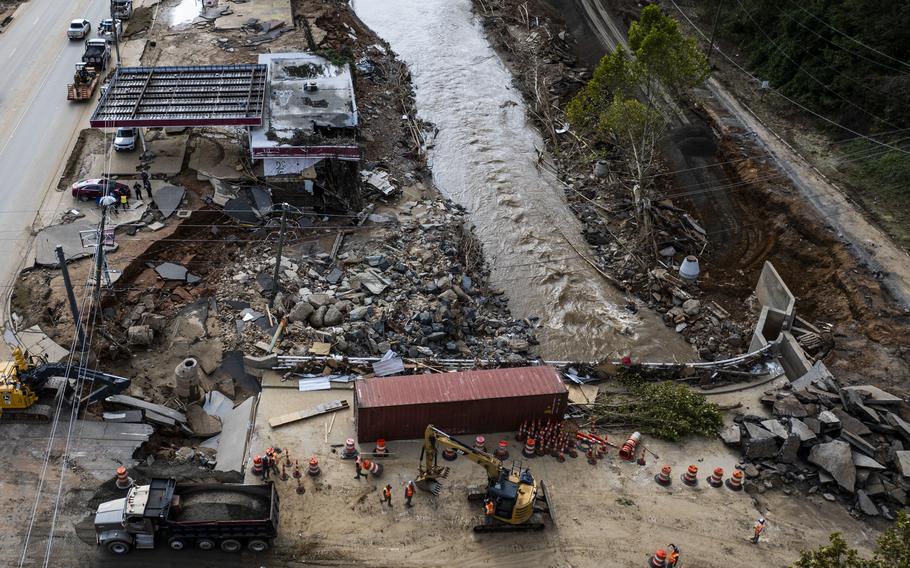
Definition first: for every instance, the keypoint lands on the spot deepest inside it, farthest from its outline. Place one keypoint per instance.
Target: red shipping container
(469, 402)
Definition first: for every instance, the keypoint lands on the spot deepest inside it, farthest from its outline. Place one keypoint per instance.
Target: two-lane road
(37, 124)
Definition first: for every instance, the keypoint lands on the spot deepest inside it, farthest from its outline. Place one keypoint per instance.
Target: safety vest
(489, 508)
(409, 491)
(759, 528)
(673, 559)
(387, 492)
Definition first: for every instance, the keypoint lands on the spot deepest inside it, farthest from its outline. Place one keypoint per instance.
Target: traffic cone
(659, 560)
(735, 481)
(663, 477)
(480, 444)
(627, 452)
(592, 457)
(380, 451)
(287, 457)
(349, 451)
(123, 480)
(296, 473)
(372, 467)
(300, 488)
(284, 473)
(690, 478)
(502, 450)
(522, 433)
(530, 448)
(449, 454)
(313, 469)
(601, 451)
(257, 465)
(716, 479)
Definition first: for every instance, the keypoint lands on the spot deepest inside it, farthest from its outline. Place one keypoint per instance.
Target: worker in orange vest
(387, 494)
(758, 529)
(408, 493)
(673, 557)
(488, 509)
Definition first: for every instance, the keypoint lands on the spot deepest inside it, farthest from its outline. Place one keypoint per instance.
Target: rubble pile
(843, 441)
(413, 287)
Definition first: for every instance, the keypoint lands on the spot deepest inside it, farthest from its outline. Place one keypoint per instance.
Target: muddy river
(484, 156)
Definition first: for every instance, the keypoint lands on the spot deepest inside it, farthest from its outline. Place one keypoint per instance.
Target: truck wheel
(257, 545)
(230, 545)
(118, 547)
(176, 543)
(205, 544)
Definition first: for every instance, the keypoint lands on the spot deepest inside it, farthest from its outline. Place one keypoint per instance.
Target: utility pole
(105, 203)
(277, 275)
(720, 5)
(67, 283)
(116, 35)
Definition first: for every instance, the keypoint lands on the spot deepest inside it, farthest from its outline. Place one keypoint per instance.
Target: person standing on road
(673, 557)
(387, 495)
(123, 199)
(266, 467)
(758, 529)
(137, 191)
(147, 183)
(408, 493)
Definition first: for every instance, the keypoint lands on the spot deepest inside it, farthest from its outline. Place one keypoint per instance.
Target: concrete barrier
(778, 308)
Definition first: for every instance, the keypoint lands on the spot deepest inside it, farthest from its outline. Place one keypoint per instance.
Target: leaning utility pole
(114, 29)
(68, 284)
(105, 204)
(720, 4)
(277, 274)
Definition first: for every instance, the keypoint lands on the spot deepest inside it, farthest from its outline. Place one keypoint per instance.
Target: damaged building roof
(311, 111)
(211, 95)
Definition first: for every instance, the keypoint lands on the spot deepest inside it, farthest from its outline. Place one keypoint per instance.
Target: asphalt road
(37, 124)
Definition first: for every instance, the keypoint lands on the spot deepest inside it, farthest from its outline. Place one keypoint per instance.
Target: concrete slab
(235, 429)
(262, 10)
(217, 156)
(37, 342)
(168, 153)
(67, 236)
(168, 199)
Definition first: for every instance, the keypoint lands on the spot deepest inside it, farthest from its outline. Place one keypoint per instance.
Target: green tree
(893, 550)
(616, 107)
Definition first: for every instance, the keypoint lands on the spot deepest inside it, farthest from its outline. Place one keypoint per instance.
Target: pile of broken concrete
(406, 288)
(846, 441)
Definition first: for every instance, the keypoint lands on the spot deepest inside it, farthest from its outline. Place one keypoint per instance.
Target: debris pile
(415, 286)
(847, 441)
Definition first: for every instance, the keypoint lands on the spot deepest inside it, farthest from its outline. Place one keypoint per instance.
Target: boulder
(140, 335)
(789, 450)
(756, 432)
(865, 504)
(836, 458)
(201, 423)
(319, 300)
(332, 317)
(828, 422)
(731, 435)
(301, 312)
(691, 307)
(184, 454)
(806, 435)
(359, 313)
(760, 448)
(790, 406)
(776, 428)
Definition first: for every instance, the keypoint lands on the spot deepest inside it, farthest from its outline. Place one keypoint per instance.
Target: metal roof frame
(186, 96)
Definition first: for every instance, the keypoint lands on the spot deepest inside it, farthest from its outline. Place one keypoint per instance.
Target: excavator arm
(430, 471)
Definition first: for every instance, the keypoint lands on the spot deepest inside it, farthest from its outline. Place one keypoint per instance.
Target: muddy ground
(749, 210)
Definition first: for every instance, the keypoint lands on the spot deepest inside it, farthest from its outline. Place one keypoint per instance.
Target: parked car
(125, 140)
(106, 28)
(94, 188)
(78, 29)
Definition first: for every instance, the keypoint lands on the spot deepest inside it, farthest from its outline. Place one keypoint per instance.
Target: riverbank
(749, 215)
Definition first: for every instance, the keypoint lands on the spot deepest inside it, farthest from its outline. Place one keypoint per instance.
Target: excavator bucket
(430, 485)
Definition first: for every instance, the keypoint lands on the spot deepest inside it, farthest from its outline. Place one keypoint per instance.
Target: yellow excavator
(519, 501)
(26, 381)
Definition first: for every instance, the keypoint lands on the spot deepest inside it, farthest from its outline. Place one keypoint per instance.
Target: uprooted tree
(616, 109)
(893, 550)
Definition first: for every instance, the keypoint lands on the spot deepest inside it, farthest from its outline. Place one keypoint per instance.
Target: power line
(853, 39)
(781, 95)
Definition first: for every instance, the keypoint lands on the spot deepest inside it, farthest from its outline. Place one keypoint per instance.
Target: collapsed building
(305, 146)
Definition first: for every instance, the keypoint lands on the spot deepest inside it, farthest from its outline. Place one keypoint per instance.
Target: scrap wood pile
(845, 442)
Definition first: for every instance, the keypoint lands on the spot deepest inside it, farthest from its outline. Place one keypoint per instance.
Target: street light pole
(116, 35)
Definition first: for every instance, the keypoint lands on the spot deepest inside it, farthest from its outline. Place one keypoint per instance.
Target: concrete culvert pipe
(186, 373)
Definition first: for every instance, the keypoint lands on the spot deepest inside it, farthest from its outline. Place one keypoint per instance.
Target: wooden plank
(317, 410)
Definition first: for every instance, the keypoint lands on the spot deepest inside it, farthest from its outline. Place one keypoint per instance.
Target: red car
(94, 188)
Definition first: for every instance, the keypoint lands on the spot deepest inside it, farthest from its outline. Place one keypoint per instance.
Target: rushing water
(485, 157)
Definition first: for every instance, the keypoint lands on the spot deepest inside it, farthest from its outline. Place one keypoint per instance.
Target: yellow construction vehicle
(519, 502)
(26, 381)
